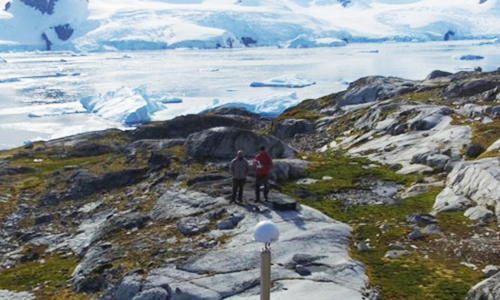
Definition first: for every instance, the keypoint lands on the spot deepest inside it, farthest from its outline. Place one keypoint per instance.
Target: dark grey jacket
(239, 168)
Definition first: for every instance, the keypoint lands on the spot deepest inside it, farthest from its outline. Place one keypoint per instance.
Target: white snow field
(107, 25)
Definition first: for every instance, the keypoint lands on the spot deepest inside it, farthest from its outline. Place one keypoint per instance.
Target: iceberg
(469, 57)
(126, 106)
(289, 81)
(271, 105)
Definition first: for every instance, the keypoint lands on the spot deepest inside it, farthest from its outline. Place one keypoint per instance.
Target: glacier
(110, 25)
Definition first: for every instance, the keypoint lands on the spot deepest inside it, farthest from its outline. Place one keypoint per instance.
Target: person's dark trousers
(238, 185)
(261, 180)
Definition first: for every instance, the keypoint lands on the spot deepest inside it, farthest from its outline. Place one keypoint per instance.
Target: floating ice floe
(125, 105)
(289, 81)
(469, 57)
(204, 70)
(56, 109)
(270, 105)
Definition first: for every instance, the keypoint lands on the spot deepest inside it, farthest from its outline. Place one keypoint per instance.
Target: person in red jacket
(263, 164)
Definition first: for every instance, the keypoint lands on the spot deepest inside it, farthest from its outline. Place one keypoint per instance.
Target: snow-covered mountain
(102, 25)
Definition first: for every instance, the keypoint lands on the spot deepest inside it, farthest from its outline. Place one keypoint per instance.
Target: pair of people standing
(239, 169)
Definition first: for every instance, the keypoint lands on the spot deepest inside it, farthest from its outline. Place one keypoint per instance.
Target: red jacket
(265, 161)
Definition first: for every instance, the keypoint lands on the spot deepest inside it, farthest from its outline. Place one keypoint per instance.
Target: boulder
(432, 229)
(192, 226)
(183, 126)
(152, 294)
(474, 150)
(478, 213)
(128, 287)
(488, 289)
(437, 161)
(288, 169)
(288, 128)
(438, 74)
(416, 234)
(88, 276)
(468, 88)
(447, 200)
(231, 222)
(375, 88)
(477, 180)
(224, 142)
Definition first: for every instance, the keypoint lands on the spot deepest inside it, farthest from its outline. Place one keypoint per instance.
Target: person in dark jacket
(239, 170)
(263, 164)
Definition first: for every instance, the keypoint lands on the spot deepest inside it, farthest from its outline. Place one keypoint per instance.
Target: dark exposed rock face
(64, 32)
(474, 150)
(438, 74)
(44, 6)
(288, 128)
(224, 142)
(182, 127)
(471, 88)
(233, 111)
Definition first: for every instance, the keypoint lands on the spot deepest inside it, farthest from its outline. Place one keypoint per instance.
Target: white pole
(265, 274)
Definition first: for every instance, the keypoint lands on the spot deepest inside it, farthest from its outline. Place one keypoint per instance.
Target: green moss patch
(52, 274)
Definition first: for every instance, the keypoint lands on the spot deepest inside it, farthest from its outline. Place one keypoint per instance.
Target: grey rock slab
(191, 226)
(400, 149)
(307, 289)
(189, 291)
(152, 294)
(288, 169)
(183, 203)
(488, 289)
(420, 188)
(129, 287)
(9, 295)
(478, 213)
(437, 160)
(447, 200)
(224, 142)
(478, 180)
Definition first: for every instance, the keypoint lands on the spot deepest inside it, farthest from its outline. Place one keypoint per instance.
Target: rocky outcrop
(288, 128)
(83, 183)
(488, 289)
(477, 180)
(182, 127)
(375, 88)
(224, 142)
(288, 169)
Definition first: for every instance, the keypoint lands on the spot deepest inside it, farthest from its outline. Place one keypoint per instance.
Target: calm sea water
(29, 80)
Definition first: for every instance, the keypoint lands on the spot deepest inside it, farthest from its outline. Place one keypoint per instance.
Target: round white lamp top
(266, 232)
